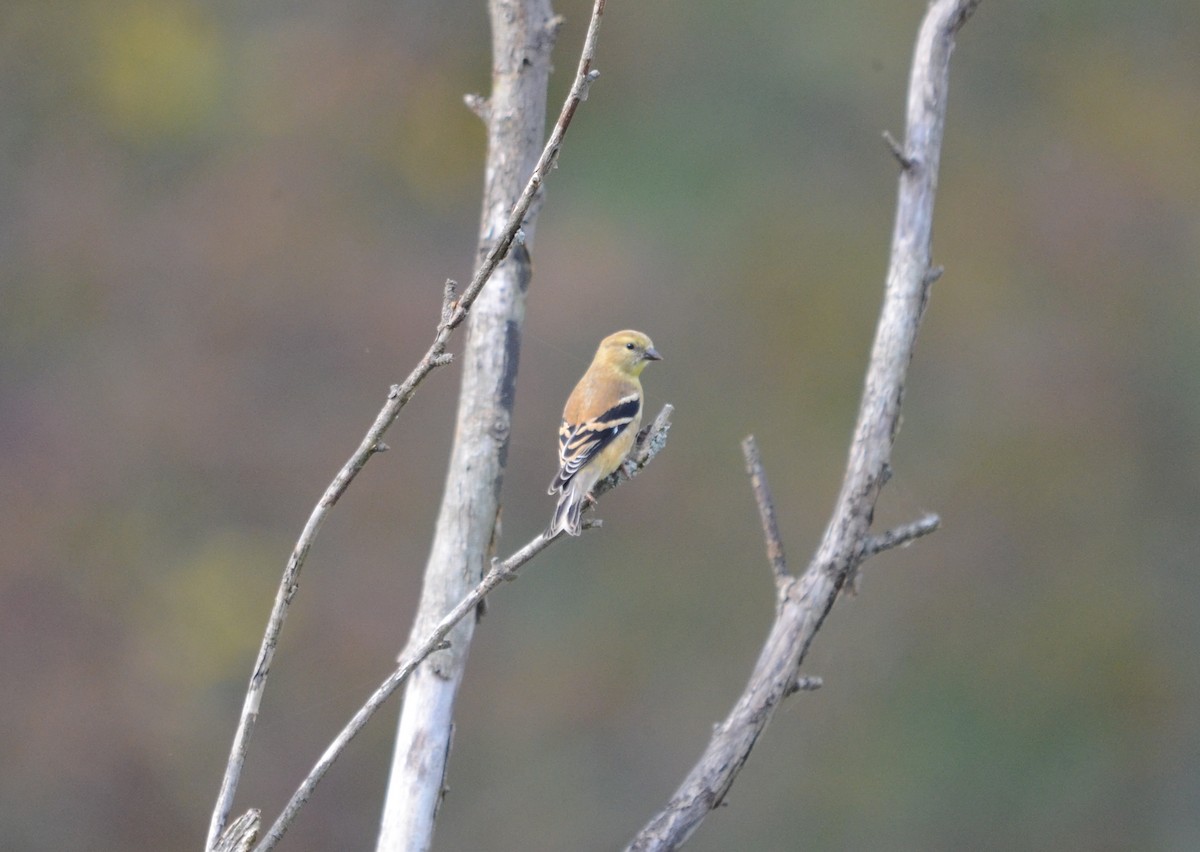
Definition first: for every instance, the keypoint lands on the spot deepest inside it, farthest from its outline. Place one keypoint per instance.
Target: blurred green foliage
(224, 230)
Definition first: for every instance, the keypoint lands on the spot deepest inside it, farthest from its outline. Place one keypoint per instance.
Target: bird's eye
(629, 346)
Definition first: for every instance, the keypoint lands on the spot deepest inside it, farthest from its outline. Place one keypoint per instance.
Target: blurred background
(224, 229)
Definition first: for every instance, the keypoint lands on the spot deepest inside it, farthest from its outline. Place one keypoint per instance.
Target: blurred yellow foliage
(433, 140)
(1142, 113)
(158, 68)
(206, 613)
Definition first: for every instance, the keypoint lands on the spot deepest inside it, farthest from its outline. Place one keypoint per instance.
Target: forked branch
(805, 600)
(455, 309)
(650, 444)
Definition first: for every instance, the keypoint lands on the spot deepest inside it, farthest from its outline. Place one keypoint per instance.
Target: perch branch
(649, 445)
(454, 311)
(805, 601)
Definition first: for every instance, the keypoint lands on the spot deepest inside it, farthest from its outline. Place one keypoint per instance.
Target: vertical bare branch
(804, 601)
(523, 33)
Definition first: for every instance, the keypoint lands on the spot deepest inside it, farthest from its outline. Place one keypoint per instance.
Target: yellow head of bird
(628, 351)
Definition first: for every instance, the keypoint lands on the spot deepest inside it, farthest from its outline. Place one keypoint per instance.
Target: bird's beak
(651, 354)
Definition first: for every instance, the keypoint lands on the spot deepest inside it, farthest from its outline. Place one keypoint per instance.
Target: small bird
(599, 423)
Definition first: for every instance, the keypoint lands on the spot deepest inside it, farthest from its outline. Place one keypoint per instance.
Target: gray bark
(522, 37)
(803, 601)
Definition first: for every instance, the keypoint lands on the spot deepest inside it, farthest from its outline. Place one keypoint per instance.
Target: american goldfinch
(599, 423)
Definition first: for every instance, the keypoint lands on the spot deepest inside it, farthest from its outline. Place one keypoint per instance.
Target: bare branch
(650, 441)
(805, 683)
(523, 32)
(241, 834)
(766, 507)
(501, 571)
(479, 105)
(578, 93)
(898, 151)
(901, 535)
(805, 601)
(455, 310)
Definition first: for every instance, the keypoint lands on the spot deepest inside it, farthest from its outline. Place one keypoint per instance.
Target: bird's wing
(579, 443)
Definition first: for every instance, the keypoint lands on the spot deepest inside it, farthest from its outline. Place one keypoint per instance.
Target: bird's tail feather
(568, 512)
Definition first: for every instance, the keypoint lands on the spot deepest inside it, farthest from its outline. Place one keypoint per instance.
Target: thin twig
(805, 683)
(766, 507)
(584, 76)
(805, 601)
(649, 446)
(454, 311)
(897, 150)
(901, 535)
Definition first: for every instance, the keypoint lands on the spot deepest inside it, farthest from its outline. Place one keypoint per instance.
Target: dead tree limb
(805, 600)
